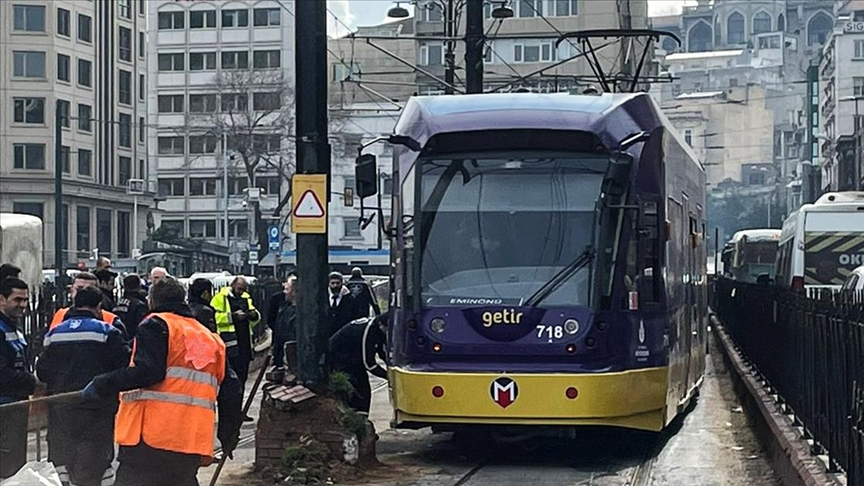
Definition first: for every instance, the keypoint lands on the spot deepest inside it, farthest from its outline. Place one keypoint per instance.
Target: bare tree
(253, 125)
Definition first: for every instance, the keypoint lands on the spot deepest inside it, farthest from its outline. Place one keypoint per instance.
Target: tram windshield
(495, 228)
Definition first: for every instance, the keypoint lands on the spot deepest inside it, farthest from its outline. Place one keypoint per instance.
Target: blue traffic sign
(273, 233)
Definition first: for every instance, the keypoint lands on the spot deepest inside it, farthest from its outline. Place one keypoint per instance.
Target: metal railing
(809, 348)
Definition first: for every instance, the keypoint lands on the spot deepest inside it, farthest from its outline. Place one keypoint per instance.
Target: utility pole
(474, 46)
(626, 21)
(313, 157)
(450, 56)
(59, 221)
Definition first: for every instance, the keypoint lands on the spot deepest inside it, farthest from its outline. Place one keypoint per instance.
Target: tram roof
(426, 116)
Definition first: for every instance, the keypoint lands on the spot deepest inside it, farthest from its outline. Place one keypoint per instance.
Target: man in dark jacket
(341, 306)
(362, 293)
(200, 294)
(9, 270)
(144, 463)
(81, 435)
(132, 307)
(353, 350)
(283, 320)
(16, 380)
(106, 278)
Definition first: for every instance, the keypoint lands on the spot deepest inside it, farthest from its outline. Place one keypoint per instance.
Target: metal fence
(809, 347)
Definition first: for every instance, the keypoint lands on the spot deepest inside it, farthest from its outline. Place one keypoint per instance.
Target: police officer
(81, 435)
(200, 294)
(16, 381)
(132, 307)
(165, 423)
(353, 350)
(82, 280)
(362, 293)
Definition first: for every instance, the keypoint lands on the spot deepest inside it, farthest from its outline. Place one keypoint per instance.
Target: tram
(548, 263)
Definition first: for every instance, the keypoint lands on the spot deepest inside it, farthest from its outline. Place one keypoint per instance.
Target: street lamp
(398, 12)
(502, 11)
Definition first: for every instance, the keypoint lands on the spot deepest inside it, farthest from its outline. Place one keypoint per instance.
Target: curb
(789, 451)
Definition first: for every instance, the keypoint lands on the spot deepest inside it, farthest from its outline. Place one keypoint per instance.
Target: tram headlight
(438, 325)
(571, 326)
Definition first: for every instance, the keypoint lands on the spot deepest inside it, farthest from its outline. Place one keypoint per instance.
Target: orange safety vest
(177, 414)
(108, 317)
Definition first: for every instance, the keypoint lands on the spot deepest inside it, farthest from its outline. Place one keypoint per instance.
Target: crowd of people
(147, 370)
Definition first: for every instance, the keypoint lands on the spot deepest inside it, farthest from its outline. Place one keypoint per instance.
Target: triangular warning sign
(309, 206)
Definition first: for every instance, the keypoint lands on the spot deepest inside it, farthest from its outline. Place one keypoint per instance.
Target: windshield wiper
(560, 278)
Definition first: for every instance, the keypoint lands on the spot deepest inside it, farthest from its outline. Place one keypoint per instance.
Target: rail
(809, 348)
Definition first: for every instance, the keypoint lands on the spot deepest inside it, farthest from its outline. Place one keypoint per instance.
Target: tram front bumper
(633, 399)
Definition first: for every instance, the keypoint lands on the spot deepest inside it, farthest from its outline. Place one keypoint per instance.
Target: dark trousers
(280, 337)
(362, 399)
(13, 440)
(143, 465)
(81, 442)
(240, 365)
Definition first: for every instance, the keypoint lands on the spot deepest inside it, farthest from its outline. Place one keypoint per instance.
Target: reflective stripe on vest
(230, 338)
(16, 339)
(136, 395)
(76, 337)
(192, 375)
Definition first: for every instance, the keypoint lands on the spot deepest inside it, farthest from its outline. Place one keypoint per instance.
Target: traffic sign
(309, 214)
(253, 257)
(273, 233)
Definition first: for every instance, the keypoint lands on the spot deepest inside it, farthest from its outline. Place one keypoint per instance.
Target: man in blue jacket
(81, 434)
(16, 379)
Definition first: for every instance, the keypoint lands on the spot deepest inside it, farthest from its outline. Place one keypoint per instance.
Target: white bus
(821, 243)
(751, 253)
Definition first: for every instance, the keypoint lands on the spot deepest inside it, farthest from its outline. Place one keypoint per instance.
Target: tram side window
(407, 197)
(650, 291)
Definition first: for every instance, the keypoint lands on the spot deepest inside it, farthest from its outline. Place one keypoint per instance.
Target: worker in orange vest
(83, 280)
(179, 372)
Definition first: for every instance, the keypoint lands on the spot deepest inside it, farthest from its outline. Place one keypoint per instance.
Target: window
(103, 231)
(171, 21)
(84, 76)
(170, 103)
(125, 44)
(236, 185)
(431, 12)
(270, 185)
(818, 28)
(761, 23)
(386, 185)
(266, 59)
(202, 187)
(769, 42)
(141, 7)
(63, 22)
(85, 158)
(530, 8)
(235, 18)
(202, 144)
(28, 18)
(235, 60)
(202, 19)
(859, 49)
(352, 227)
(85, 112)
(142, 171)
(565, 8)
(266, 101)
(125, 87)
(125, 171)
(756, 179)
(177, 227)
(63, 73)
(735, 29)
(28, 64)
(234, 103)
(432, 54)
(267, 144)
(202, 103)
(82, 229)
(488, 52)
(172, 62)
(172, 187)
(123, 233)
(170, 145)
(142, 88)
(30, 156)
(202, 229)
(124, 9)
(202, 61)
(125, 129)
(63, 111)
(688, 137)
(142, 129)
(239, 228)
(85, 28)
(263, 17)
(64, 158)
(535, 52)
(142, 44)
(29, 110)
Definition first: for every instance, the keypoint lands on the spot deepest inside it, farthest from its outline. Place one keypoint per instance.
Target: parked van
(821, 243)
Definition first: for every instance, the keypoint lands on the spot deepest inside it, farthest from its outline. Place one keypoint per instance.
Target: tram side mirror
(366, 175)
(618, 173)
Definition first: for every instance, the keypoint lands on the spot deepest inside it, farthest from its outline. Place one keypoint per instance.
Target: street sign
(253, 257)
(273, 233)
(135, 186)
(309, 214)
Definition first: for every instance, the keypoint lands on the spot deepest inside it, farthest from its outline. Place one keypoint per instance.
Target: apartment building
(221, 99)
(82, 64)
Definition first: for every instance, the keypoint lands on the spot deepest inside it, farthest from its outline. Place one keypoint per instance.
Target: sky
(352, 13)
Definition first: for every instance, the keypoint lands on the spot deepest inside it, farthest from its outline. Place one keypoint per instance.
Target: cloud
(336, 27)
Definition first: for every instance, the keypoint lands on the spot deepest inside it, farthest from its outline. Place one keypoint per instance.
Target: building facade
(221, 98)
(82, 65)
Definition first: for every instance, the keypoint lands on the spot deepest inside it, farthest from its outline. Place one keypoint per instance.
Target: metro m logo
(504, 391)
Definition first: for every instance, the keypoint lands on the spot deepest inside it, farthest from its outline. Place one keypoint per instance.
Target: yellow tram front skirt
(633, 399)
